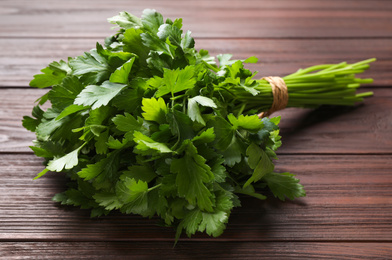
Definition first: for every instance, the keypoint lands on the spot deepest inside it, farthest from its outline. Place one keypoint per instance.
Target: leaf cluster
(146, 124)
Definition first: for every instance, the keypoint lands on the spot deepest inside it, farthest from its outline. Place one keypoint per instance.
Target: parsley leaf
(64, 94)
(193, 108)
(177, 80)
(133, 44)
(128, 124)
(133, 195)
(91, 67)
(96, 96)
(146, 145)
(284, 185)
(192, 176)
(67, 161)
(102, 170)
(126, 20)
(31, 123)
(154, 110)
(151, 20)
(52, 75)
(259, 161)
(121, 74)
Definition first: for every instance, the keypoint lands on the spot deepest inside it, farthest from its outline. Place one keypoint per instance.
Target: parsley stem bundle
(328, 84)
(148, 125)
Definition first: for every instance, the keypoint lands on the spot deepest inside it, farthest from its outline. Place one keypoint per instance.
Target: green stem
(156, 186)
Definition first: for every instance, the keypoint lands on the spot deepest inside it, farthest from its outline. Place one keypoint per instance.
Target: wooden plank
(20, 59)
(341, 155)
(194, 250)
(302, 18)
(360, 130)
(349, 198)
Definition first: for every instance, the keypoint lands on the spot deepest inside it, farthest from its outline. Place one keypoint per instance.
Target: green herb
(148, 125)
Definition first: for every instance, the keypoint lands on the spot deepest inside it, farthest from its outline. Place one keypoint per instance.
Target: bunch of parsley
(148, 125)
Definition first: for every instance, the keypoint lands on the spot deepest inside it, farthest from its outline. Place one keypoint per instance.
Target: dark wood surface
(343, 156)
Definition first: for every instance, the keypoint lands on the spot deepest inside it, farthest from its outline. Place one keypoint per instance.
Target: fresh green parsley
(146, 124)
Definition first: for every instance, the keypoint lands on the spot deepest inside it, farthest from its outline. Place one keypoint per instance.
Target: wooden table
(343, 156)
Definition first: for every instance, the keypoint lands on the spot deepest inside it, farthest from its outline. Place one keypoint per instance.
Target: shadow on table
(298, 119)
(254, 226)
(131, 235)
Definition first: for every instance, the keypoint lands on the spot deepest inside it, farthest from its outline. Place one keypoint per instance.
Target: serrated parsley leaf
(113, 143)
(108, 200)
(213, 223)
(104, 170)
(126, 20)
(224, 59)
(193, 108)
(133, 195)
(121, 74)
(259, 161)
(67, 161)
(284, 185)
(206, 136)
(233, 152)
(133, 44)
(128, 124)
(251, 123)
(31, 123)
(92, 67)
(190, 223)
(177, 80)
(97, 96)
(160, 47)
(52, 75)
(218, 169)
(48, 124)
(154, 110)
(75, 197)
(151, 20)
(64, 94)
(268, 127)
(192, 175)
(171, 32)
(148, 145)
(224, 132)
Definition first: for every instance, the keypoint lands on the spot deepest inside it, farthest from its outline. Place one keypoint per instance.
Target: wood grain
(21, 59)
(341, 155)
(194, 250)
(272, 19)
(348, 199)
(325, 130)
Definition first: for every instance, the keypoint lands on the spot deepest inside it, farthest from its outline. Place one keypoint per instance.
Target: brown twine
(279, 93)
